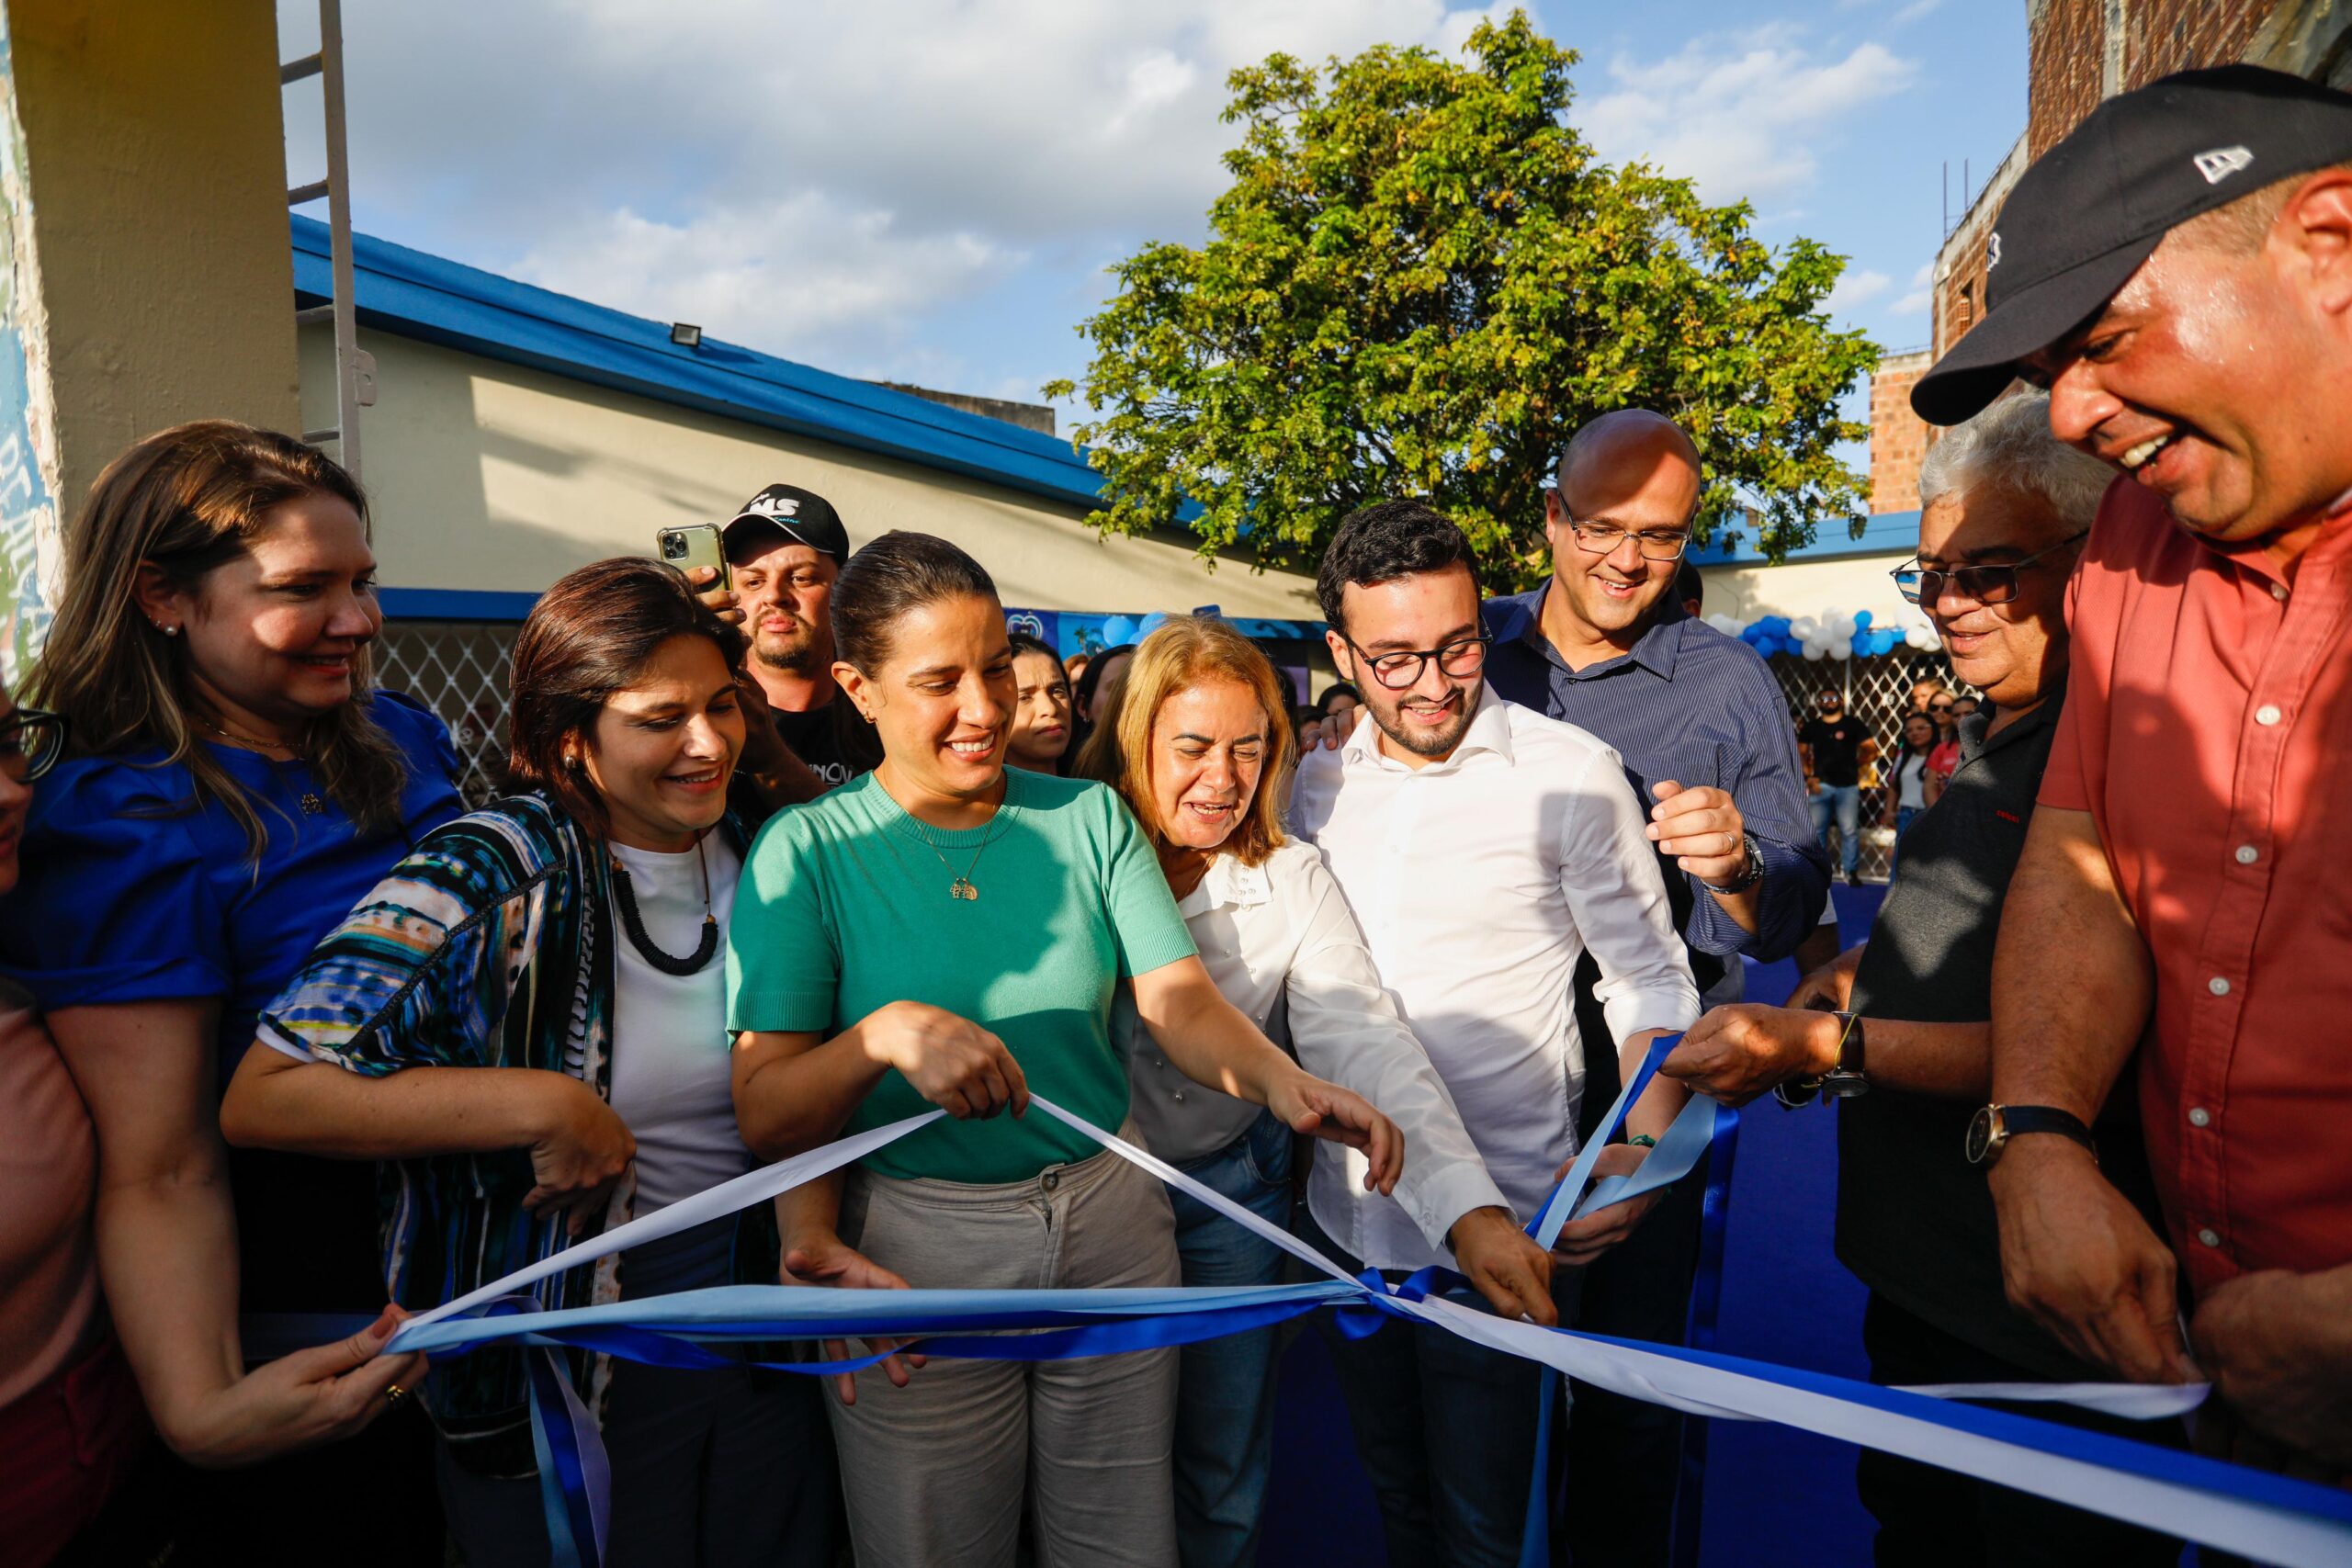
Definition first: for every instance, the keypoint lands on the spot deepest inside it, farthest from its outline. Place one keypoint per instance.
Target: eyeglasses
(1939, 707)
(1994, 584)
(1654, 544)
(1401, 670)
(30, 743)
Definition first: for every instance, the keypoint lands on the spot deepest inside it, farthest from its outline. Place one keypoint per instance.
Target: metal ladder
(355, 368)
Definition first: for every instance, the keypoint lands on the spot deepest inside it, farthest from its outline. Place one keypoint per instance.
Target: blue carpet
(1775, 1499)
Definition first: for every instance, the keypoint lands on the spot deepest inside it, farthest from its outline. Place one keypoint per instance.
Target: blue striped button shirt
(1690, 705)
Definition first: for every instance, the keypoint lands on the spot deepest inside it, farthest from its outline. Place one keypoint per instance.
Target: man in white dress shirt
(1484, 848)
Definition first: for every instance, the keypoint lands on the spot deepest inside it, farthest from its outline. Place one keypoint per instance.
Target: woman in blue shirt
(235, 788)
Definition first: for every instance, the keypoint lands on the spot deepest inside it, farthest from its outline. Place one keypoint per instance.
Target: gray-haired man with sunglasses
(2005, 510)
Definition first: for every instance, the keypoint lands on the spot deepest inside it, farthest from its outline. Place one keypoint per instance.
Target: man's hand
(1830, 988)
(582, 1147)
(950, 1061)
(814, 1257)
(1699, 826)
(721, 602)
(1505, 1264)
(2279, 1348)
(1326, 1111)
(2078, 1258)
(318, 1395)
(1583, 1240)
(1738, 1052)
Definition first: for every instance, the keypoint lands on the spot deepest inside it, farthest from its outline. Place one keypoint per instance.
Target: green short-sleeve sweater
(844, 907)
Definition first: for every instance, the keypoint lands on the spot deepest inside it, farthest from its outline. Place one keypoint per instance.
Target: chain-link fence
(1878, 693)
(459, 669)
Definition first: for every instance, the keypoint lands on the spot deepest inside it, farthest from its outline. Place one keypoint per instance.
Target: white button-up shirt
(1279, 937)
(1479, 882)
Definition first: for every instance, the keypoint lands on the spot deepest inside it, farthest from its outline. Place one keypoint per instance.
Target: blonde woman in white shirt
(1202, 750)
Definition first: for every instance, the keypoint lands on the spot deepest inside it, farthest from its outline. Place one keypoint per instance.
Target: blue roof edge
(1883, 532)
(414, 294)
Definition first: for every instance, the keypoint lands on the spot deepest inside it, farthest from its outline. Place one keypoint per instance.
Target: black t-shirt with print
(1837, 748)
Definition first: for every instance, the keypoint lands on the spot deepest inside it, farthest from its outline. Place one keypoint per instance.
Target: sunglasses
(30, 743)
(1992, 584)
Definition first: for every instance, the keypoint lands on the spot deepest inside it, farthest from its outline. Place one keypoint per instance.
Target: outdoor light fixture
(686, 335)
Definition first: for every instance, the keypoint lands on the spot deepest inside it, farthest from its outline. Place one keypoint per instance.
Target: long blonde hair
(188, 501)
(1187, 651)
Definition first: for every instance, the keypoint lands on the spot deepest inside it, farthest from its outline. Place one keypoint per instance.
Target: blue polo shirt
(1690, 705)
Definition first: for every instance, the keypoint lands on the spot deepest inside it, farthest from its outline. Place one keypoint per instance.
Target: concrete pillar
(148, 276)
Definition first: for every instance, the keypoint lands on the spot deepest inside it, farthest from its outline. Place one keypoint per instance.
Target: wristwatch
(1991, 1128)
(1750, 875)
(1846, 1081)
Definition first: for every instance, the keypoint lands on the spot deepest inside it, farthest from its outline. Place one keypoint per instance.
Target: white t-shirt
(672, 1071)
(1911, 782)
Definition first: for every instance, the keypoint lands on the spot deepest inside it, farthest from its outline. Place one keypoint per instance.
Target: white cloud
(803, 271)
(1914, 11)
(1854, 289)
(811, 175)
(1919, 294)
(1742, 116)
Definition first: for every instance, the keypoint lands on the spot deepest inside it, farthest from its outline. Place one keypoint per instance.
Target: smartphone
(697, 545)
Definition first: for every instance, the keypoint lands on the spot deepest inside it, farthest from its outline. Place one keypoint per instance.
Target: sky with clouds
(930, 190)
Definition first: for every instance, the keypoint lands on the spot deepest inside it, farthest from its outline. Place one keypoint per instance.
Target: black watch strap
(1996, 1124)
(1849, 1077)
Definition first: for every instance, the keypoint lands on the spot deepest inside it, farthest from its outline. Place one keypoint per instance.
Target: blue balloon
(1862, 618)
(1117, 630)
(1150, 624)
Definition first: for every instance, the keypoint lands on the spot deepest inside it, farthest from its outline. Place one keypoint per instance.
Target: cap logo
(773, 506)
(2221, 163)
(1992, 251)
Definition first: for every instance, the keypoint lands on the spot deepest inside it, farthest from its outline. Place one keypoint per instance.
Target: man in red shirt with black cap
(2178, 273)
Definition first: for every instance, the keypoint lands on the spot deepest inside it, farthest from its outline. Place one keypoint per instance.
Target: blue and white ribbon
(2263, 1517)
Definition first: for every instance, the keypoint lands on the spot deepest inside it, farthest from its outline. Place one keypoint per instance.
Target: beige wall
(485, 475)
(156, 151)
(1806, 588)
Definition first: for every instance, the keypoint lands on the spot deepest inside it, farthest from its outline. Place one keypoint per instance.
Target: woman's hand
(952, 1062)
(581, 1149)
(1581, 1241)
(1326, 1111)
(318, 1395)
(815, 1257)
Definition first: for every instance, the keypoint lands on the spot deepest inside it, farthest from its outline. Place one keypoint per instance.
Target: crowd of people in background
(807, 846)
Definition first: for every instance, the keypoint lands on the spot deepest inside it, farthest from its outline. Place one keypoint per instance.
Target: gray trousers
(941, 1470)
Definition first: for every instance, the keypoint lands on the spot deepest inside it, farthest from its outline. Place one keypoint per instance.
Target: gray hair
(2009, 443)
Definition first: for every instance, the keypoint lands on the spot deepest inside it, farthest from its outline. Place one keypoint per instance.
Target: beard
(798, 651)
(1420, 739)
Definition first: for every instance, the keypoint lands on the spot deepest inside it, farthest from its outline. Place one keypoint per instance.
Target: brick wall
(1898, 436)
(2078, 52)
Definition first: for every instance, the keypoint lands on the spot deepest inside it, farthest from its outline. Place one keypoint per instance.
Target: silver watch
(1750, 875)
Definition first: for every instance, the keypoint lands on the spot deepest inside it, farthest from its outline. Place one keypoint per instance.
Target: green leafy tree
(1420, 282)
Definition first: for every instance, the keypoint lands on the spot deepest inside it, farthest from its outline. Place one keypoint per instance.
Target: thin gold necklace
(309, 800)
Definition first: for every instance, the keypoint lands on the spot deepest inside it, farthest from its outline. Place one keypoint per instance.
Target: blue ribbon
(1706, 1305)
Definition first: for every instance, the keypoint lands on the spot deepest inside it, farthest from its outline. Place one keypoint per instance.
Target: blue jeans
(1845, 800)
(1225, 1388)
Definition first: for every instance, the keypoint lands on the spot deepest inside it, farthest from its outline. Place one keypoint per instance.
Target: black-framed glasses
(1606, 538)
(30, 742)
(1399, 671)
(1992, 584)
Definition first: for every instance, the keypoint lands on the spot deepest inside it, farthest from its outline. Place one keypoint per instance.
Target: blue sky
(929, 190)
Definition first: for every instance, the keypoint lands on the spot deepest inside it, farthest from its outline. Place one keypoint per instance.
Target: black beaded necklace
(625, 896)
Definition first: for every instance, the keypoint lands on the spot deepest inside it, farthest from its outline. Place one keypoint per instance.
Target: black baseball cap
(798, 514)
(2092, 209)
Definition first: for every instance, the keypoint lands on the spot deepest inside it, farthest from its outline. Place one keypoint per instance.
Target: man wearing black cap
(784, 550)
(2178, 274)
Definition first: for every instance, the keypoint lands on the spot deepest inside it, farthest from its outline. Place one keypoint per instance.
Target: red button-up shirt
(2208, 731)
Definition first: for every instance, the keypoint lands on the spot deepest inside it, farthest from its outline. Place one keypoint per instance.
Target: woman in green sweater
(945, 931)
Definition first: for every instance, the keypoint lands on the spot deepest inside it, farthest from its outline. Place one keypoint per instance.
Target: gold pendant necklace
(309, 800)
(961, 887)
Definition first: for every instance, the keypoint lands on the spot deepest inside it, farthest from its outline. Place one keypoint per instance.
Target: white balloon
(1805, 629)
(1842, 648)
(1815, 652)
